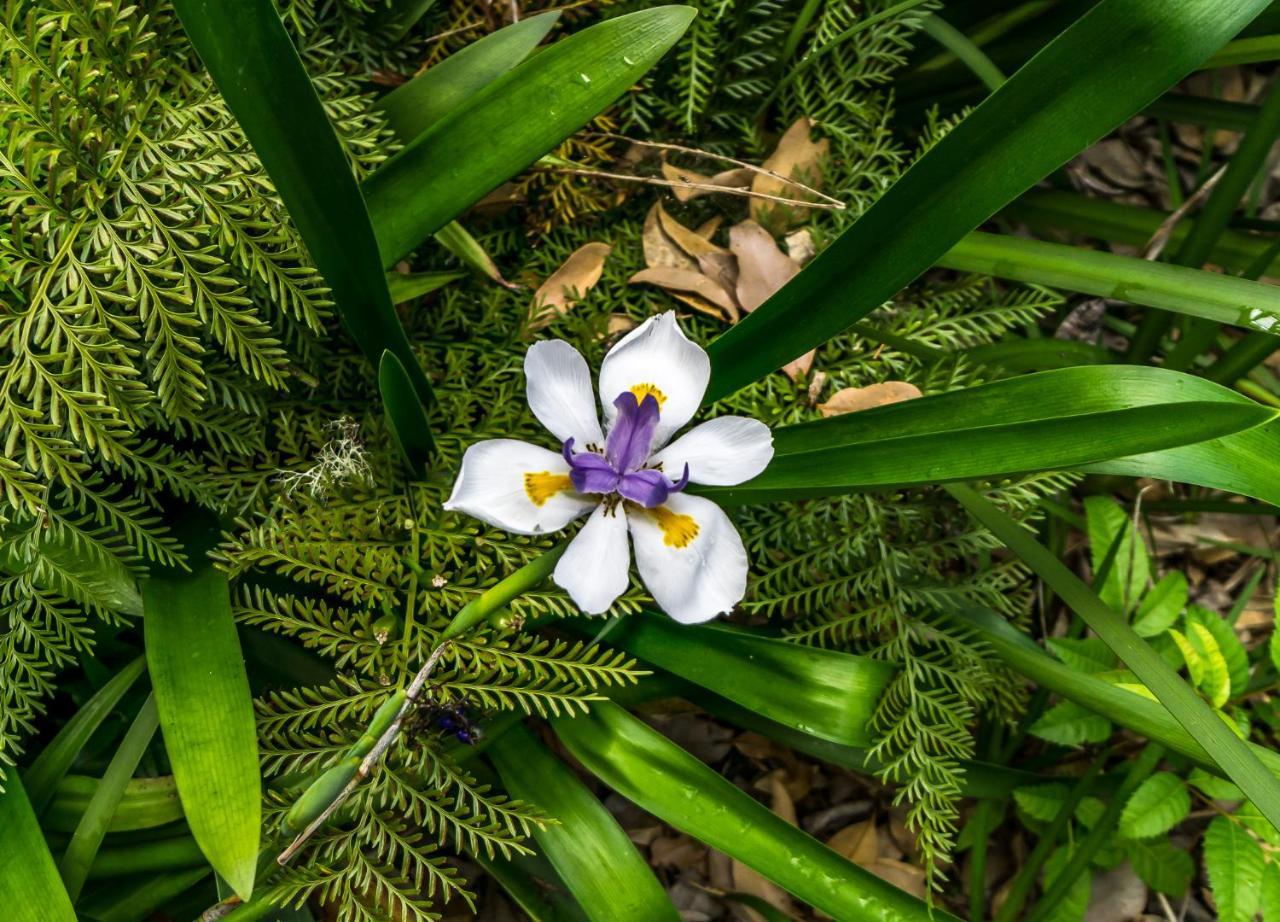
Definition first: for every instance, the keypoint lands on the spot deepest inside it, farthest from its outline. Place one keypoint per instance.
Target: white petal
(517, 487)
(596, 566)
(558, 382)
(720, 452)
(656, 357)
(690, 557)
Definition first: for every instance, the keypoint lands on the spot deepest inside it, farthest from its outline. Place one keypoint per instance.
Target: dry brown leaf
(853, 399)
(679, 852)
(800, 246)
(796, 157)
(722, 269)
(570, 283)
(619, 324)
(747, 880)
(762, 267)
(687, 281)
(707, 229)
(798, 368)
(860, 843)
(660, 250)
(904, 876)
(686, 239)
(736, 179)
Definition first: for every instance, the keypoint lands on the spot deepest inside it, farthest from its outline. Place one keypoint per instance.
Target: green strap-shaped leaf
(534, 886)
(1018, 135)
(55, 759)
(33, 891)
(661, 778)
(251, 59)
(87, 838)
(406, 417)
(206, 715)
(515, 119)
(592, 853)
(1044, 421)
(1231, 753)
(145, 804)
(820, 692)
(417, 105)
(407, 287)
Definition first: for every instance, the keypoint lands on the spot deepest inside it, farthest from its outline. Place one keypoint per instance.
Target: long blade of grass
(146, 803)
(821, 692)
(1046, 421)
(406, 417)
(1232, 754)
(29, 880)
(1219, 298)
(661, 778)
(55, 760)
(512, 121)
(256, 68)
(87, 839)
(591, 852)
(206, 712)
(1013, 139)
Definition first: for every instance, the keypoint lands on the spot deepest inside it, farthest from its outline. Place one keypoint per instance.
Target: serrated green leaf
(1159, 804)
(1075, 903)
(1234, 862)
(1090, 811)
(1270, 896)
(591, 852)
(1247, 814)
(1088, 654)
(29, 880)
(206, 716)
(1213, 786)
(1162, 605)
(1107, 523)
(1068, 724)
(1041, 802)
(532, 108)
(406, 417)
(1229, 646)
(1161, 866)
(1216, 681)
(1191, 656)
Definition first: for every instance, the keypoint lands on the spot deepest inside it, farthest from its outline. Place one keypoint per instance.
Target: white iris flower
(690, 556)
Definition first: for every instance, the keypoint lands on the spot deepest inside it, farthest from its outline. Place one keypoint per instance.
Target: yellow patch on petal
(644, 390)
(677, 530)
(543, 485)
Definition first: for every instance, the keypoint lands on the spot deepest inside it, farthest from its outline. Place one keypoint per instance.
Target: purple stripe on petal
(648, 488)
(631, 437)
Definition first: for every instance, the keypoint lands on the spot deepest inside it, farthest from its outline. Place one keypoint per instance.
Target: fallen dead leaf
(688, 282)
(707, 229)
(860, 843)
(796, 157)
(618, 324)
(686, 239)
(853, 399)
(570, 283)
(734, 180)
(798, 368)
(679, 852)
(660, 251)
(762, 267)
(800, 246)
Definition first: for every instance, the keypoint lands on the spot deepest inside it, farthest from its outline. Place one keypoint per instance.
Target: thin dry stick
(1158, 241)
(687, 184)
(662, 145)
(375, 754)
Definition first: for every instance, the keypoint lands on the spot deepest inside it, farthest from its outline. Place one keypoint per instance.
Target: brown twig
(688, 184)
(1155, 246)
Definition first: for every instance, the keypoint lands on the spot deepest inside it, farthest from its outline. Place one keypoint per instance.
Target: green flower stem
(964, 50)
(495, 597)
(1254, 50)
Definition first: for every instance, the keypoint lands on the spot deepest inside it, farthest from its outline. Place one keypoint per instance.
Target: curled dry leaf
(707, 296)
(798, 158)
(853, 399)
(660, 251)
(798, 368)
(862, 844)
(762, 267)
(735, 180)
(800, 246)
(707, 229)
(570, 283)
(688, 240)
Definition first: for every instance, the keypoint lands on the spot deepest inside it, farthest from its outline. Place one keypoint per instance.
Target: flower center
(641, 391)
(677, 530)
(543, 485)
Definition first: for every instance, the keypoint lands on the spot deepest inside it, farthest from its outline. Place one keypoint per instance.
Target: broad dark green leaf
(1209, 295)
(1246, 462)
(55, 760)
(1050, 420)
(1018, 135)
(592, 853)
(258, 71)
(138, 898)
(87, 838)
(406, 417)
(531, 882)
(820, 692)
(33, 891)
(206, 715)
(415, 106)
(661, 778)
(511, 122)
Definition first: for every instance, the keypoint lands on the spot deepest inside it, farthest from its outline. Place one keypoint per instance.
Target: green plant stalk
(1217, 298)
(1231, 753)
(55, 760)
(502, 593)
(87, 839)
(1253, 50)
(989, 31)
(1222, 202)
(1098, 835)
(958, 44)
(147, 858)
(1218, 114)
(146, 803)
(1030, 870)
